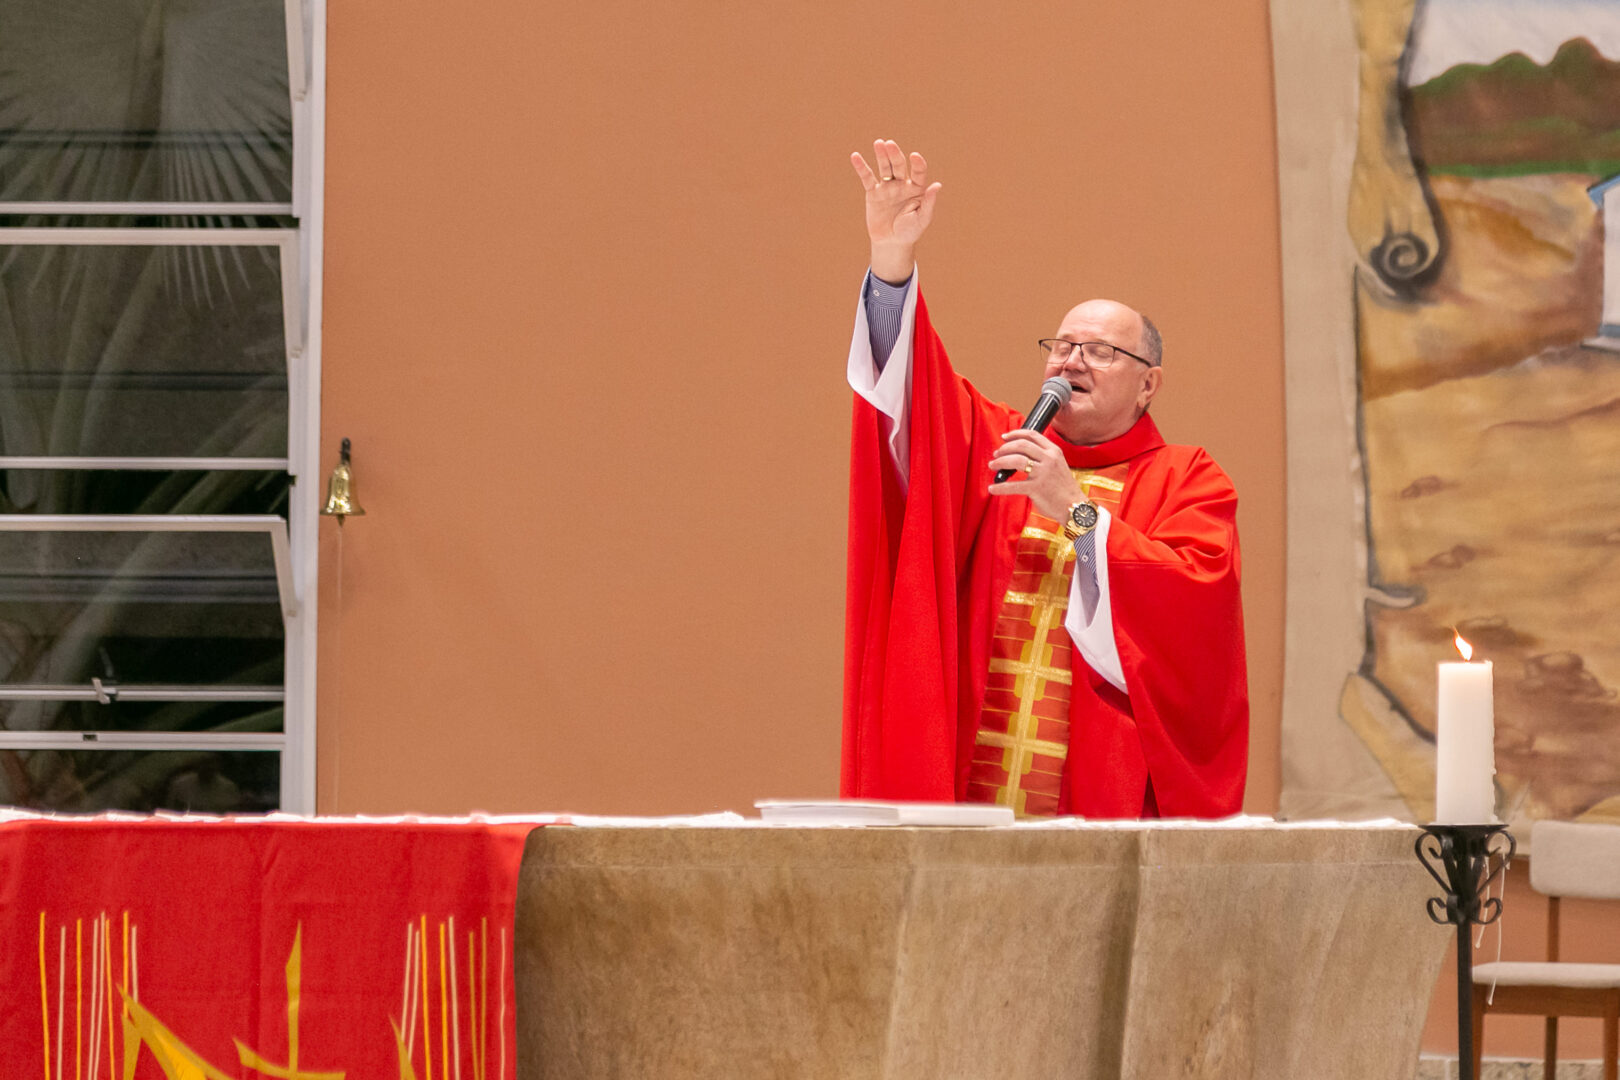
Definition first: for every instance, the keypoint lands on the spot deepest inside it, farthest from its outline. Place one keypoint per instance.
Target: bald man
(1069, 641)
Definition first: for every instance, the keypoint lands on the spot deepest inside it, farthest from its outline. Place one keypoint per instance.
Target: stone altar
(1138, 951)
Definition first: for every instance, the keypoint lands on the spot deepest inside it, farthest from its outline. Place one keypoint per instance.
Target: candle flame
(1463, 647)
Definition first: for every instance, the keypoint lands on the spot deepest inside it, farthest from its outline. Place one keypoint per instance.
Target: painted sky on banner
(1451, 32)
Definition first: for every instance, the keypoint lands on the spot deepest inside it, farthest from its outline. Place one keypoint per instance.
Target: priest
(1068, 641)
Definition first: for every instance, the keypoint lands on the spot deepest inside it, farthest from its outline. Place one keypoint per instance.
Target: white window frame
(294, 541)
(273, 526)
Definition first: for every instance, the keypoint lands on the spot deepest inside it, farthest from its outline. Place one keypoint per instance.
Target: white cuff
(889, 392)
(1093, 631)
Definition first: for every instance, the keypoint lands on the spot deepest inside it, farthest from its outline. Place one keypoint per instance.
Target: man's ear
(1150, 388)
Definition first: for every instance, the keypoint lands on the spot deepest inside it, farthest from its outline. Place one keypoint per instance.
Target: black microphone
(1054, 395)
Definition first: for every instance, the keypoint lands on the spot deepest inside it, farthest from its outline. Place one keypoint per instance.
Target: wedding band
(1029, 466)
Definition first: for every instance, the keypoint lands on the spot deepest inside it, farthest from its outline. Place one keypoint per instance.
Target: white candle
(1465, 752)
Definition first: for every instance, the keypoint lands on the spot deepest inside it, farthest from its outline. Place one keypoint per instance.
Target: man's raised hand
(899, 206)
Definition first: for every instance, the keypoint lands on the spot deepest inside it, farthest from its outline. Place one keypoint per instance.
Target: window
(159, 378)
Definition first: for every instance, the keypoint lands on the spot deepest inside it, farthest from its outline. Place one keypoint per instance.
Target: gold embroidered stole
(1023, 735)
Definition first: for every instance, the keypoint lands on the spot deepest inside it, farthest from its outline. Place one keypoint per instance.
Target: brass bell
(340, 501)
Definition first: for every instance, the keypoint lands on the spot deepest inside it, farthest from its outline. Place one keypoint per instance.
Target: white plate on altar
(877, 812)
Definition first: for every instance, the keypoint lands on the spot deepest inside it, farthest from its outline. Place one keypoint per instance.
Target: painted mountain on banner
(1516, 117)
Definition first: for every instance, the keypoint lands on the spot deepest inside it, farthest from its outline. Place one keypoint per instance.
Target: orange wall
(590, 273)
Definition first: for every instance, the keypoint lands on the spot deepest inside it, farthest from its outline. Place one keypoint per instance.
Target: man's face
(1105, 402)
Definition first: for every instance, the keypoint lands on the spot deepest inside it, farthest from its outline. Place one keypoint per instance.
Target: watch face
(1084, 514)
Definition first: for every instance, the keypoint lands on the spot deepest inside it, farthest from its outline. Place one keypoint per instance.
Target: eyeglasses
(1098, 355)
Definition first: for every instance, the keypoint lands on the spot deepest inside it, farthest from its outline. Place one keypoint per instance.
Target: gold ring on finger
(1029, 467)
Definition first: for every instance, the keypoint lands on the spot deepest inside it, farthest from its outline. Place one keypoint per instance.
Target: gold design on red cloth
(1023, 736)
(141, 1029)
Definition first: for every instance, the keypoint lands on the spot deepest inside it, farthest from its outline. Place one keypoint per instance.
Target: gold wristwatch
(1080, 520)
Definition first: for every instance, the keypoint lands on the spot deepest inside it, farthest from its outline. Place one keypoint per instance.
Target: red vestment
(927, 573)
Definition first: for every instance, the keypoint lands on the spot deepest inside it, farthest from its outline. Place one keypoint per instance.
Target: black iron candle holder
(1465, 860)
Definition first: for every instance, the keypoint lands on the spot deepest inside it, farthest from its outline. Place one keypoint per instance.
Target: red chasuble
(928, 571)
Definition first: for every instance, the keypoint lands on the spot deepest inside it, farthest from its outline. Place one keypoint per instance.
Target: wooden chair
(1566, 859)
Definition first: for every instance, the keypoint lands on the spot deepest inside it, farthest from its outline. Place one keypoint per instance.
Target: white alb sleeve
(1091, 626)
(888, 391)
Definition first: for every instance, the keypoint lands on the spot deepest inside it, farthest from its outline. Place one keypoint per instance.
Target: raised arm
(899, 206)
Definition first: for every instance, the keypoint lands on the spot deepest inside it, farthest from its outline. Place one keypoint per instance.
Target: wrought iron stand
(1465, 860)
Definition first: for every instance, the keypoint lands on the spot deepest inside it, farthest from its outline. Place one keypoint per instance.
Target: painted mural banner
(1451, 222)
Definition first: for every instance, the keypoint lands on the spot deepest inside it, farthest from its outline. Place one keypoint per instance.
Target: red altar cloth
(257, 947)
